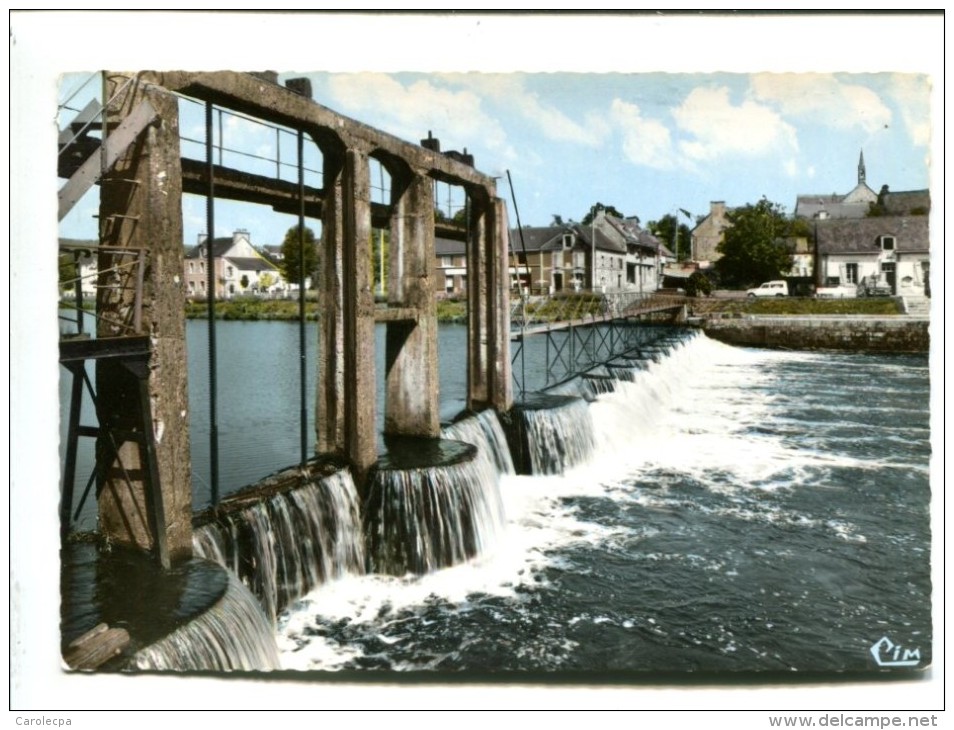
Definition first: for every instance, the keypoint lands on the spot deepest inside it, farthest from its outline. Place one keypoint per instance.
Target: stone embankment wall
(857, 333)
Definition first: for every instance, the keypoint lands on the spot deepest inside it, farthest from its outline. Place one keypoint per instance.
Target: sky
(649, 113)
(649, 143)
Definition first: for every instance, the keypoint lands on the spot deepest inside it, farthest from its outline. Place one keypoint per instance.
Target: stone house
(450, 267)
(239, 269)
(708, 234)
(610, 254)
(890, 252)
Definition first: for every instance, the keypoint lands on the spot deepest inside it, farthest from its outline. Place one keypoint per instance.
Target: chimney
(301, 86)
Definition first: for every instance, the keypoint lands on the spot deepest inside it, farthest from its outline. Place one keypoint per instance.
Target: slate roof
(541, 238)
(906, 201)
(251, 263)
(861, 236)
(808, 206)
(449, 247)
(219, 247)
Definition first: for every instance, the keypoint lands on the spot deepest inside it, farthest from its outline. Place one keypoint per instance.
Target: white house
(891, 252)
(239, 269)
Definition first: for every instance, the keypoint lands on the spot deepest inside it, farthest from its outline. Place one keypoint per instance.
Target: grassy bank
(795, 306)
(456, 311)
(287, 310)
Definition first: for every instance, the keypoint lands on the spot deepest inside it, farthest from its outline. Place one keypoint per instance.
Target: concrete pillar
(412, 404)
(488, 297)
(502, 378)
(330, 418)
(358, 310)
(141, 206)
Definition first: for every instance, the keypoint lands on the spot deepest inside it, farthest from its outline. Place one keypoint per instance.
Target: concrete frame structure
(148, 213)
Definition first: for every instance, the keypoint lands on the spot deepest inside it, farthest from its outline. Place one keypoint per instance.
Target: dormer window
(887, 243)
(567, 241)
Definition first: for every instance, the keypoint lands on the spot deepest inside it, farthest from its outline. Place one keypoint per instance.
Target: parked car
(769, 289)
(873, 286)
(843, 291)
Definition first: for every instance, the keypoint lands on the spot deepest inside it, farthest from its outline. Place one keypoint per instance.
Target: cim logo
(888, 654)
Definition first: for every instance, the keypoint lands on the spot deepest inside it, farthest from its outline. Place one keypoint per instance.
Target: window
(567, 241)
(447, 261)
(887, 243)
(191, 267)
(851, 273)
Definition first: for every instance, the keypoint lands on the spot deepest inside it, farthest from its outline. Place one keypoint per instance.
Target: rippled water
(746, 510)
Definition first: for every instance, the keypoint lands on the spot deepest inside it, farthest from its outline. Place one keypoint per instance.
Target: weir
(432, 500)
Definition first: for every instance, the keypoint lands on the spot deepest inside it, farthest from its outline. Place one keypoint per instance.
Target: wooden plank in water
(96, 647)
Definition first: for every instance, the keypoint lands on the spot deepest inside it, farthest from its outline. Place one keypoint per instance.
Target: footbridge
(582, 330)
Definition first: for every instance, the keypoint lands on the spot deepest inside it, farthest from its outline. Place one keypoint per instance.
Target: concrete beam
(270, 102)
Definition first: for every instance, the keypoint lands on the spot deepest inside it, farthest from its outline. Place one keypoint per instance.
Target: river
(745, 510)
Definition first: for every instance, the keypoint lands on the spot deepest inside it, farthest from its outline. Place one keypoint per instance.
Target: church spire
(861, 168)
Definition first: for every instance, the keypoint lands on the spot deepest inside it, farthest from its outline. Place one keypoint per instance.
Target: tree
(753, 249)
(609, 209)
(244, 282)
(265, 281)
(291, 249)
(698, 284)
(666, 230)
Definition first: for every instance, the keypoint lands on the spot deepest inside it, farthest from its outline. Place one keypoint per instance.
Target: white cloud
(912, 95)
(645, 141)
(410, 111)
(822, 98)
(716, 128)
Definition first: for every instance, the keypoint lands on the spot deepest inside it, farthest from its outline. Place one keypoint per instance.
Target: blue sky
(647, 142)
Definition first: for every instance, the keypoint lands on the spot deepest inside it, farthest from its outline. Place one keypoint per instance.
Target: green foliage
(806, 305)
(68, 271)
(698, 284)
(291, 248)
(609, 209)
(244, 281)
(753, 249)
(666, 230)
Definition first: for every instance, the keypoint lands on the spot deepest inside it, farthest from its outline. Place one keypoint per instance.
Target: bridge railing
(579, 331)
(573, 306)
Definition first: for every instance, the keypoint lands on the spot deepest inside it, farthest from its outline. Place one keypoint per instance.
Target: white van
(770, 289)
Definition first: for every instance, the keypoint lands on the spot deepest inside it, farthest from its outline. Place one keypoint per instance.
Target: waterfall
(284, 546)
(231, 636)
(484, 431)
(550, 433)
(421, 516)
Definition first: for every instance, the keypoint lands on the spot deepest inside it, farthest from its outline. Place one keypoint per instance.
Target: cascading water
(550, 433)
(286, 545)
(484, 431)
(739, 510)
(231, 636)
(432, 504)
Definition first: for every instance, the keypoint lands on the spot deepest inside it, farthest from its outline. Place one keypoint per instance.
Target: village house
(855, 204)
(878, 243)
(239, 269)
(708, 234)
(78, 260)
(879, 254)
(610, 254)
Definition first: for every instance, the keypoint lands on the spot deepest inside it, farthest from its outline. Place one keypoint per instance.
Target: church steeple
(861, 168)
